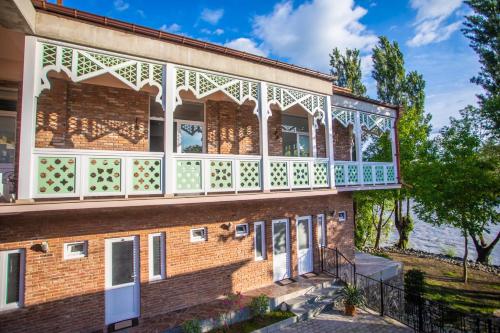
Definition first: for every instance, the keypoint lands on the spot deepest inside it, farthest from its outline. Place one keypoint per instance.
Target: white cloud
(246, 45)
(141, 13)
(216, 32)
(307, 34)
(431, 24)
(173, 28)
(121, 5)
(212, 16)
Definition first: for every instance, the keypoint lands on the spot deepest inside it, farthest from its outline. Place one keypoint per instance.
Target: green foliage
(414, 285)
(259, 305)
(379, 148)
(449, 251)
(482, 28)
(388, 71)
(351, 295)
(346, 68)
(191, 326)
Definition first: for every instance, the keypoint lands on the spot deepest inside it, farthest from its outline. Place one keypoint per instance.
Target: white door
(304, 244)
(121, 279)
(281, 250)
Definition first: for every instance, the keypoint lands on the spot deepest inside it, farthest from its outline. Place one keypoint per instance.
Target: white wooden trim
(3, 279)
(168, 103)
(359, 147)
(263, 137)
(162, 275)
(288, 252)
(329, 141)
(263, 240)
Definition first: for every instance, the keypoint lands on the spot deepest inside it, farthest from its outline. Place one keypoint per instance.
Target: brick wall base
(68, 295)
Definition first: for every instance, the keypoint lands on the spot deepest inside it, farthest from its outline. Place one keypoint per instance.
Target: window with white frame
(157, 256)
(321, 229)
(75, 250)
(260, 241)
(241, 230)
(11, 279)
(342, 216)
(198, 235)
(295, 136)
(189, 128)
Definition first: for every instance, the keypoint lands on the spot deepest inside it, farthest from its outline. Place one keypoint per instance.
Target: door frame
(311, 248)
(108, 274)
(288, 259)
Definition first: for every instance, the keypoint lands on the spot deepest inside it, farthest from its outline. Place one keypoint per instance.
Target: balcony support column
(312, 131)
(168, 103)
(26, 144)
(358, 146)
(395, 147)
(263, 137)
(330, 153)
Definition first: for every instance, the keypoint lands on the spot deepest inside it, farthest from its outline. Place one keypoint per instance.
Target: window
(342, 216)
(321, 229)
(189, 128)
(295, 136)
(7, 137)
(260, 240)
(241, 230)
(157, 256)
(199, 235)
(11, 279)
(75, 250)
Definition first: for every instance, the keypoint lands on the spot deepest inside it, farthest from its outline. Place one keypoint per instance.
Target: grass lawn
(252, 324)
(444, 283)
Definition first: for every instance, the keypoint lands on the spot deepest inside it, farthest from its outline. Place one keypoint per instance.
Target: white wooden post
(263, 135)
(168, 103)
(329, 140)
(312, 136)
(394, 150)
(359, 152)
(31, 78)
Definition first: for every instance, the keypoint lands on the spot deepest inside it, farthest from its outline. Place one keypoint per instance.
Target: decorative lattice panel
(371, 121)
(339, 175)
(189, 175)
(146, 175)
(300, 174)
(81, 65)
(391, 175)
(367, 174)
(249, 174)
(221, 175)
(352, 174)
(279, 174)
(379, 173)
(320, 173)
(203, 84)
(286, 98)
(345, 117)
(56, 175)
(104, 175)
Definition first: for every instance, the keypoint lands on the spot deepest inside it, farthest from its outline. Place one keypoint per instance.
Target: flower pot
(350, 310)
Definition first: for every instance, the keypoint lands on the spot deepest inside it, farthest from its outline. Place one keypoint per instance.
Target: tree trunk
(466, 254)
(402, 223)
(484, 250)
(379, 227)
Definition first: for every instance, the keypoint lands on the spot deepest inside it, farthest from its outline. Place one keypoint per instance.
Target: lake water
(430, 238)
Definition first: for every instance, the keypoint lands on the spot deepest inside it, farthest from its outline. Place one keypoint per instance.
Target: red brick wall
(68, 295)
(341, 141)
(275, 138)
(321, 141)
(86, 116)
(231, 129)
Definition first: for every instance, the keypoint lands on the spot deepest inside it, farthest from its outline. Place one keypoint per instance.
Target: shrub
(414, 285)
(259, 305)
(191, 326)
(351, 295)
(449, 251)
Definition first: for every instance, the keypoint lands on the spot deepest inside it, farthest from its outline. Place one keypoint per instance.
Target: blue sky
(304, 32)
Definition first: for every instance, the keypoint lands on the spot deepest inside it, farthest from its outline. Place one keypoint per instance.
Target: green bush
(351, 295)
(259, 305)
(449, 251)
(191, 326)
(414, 285)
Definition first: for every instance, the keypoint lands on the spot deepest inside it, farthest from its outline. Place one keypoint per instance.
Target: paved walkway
(336, 322)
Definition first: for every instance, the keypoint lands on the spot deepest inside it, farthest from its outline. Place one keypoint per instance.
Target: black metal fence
(411, 309)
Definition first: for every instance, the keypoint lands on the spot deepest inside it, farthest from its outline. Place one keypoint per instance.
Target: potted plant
(352, 298)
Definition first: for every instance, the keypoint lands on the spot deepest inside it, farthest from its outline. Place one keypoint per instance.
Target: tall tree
(483, 30)
(458, 187)
(346, 68)
(396, 87)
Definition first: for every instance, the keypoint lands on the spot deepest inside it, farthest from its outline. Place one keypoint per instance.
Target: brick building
(151, 172)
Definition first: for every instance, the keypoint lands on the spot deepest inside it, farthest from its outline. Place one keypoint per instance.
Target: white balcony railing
(365, 173)
(298, 173)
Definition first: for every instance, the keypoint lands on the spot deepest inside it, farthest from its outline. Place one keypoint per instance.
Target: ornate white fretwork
(81, 65)
(286, 98)
(345, 117)
(203, 84)
(371, 121)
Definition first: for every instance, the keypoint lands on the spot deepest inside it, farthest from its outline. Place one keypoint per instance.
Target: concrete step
(310, 305)
(276, 301)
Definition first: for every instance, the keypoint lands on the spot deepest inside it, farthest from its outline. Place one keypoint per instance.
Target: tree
(483, 30)
(458, 188)
(408, 90)
(346, 68)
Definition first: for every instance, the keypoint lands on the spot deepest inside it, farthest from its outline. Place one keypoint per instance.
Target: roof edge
(42, 5)
(346, 92)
